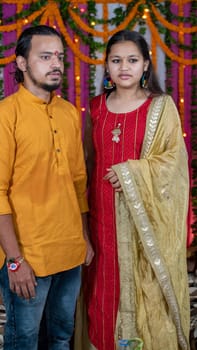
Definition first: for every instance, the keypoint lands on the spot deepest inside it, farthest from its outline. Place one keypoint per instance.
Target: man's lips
(55, 73)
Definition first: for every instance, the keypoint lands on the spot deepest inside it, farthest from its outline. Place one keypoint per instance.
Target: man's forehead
(48, 43)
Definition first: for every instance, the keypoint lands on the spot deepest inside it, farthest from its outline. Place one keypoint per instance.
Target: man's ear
(21, 63)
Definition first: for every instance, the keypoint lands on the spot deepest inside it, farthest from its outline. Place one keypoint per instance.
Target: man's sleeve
(80, 176)
(7, 156)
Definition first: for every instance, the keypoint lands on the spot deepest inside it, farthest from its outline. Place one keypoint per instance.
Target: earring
(143, 80)
(108, 83)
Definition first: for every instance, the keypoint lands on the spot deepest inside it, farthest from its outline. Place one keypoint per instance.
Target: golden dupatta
(151, 234)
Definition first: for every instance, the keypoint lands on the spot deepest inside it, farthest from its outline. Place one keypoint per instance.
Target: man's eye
(61, 58)
(45, 57)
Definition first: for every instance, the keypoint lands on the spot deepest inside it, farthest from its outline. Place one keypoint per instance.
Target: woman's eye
(133, 60)
(116, 60)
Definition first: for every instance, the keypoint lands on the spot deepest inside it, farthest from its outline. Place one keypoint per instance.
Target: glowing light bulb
(83, 109)
(182, 100)
(77, 77)
(184, 134)
(25, 21)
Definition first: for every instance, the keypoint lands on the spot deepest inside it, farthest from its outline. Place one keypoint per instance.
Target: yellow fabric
(151, 233)
(43, 180)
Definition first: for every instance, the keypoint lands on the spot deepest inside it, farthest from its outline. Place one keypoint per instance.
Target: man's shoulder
(8, 106)
(9, 99)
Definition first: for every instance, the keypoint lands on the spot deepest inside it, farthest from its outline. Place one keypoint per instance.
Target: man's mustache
(55, 71)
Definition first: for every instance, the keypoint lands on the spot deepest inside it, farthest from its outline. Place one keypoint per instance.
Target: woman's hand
(89, 253)
(113, 179)
(89, 249)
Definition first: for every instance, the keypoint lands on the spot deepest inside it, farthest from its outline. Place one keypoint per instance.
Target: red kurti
(102, 288)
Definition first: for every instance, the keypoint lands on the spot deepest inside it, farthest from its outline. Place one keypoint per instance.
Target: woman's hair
(125, 35)
(24, 44)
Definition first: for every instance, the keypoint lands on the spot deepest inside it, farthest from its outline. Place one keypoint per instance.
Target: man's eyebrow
(51, 53)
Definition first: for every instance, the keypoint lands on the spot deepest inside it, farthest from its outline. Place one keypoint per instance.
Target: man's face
(45, 64)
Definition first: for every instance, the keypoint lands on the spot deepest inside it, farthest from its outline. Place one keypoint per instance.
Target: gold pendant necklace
(116, 133)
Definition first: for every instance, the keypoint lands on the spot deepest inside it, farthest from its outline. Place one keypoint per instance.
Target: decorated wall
(86, 27)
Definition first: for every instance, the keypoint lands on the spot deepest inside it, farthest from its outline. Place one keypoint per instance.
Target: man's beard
(44, 86)
(49, 88)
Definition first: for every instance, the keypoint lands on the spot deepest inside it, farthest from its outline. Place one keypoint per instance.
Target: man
(42, 198)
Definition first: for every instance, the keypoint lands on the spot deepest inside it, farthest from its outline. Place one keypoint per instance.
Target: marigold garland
(108, 33)
(154, 52)
(171, 26)
(30, 19)
(70, 43)
(26, 2)
(105, 25)
(165, 48)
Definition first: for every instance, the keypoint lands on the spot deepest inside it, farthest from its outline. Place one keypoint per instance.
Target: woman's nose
(124, 64)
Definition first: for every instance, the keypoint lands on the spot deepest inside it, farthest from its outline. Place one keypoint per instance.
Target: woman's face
(126, 64)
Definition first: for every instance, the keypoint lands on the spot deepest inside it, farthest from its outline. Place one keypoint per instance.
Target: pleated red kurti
(101, 283)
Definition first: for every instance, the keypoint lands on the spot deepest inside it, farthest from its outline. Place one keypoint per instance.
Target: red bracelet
(13, 264)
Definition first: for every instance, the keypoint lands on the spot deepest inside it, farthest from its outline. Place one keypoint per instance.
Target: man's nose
(55, 61)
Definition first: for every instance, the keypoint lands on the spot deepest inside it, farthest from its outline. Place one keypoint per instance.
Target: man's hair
(23, 45)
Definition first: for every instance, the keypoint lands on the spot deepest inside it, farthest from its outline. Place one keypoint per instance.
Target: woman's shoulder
(96, 103)
(165, 98)
(97, 99)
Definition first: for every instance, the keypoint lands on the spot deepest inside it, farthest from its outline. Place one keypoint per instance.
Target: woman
(136, 285)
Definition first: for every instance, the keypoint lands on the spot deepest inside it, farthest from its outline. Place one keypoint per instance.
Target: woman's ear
(146, 64)
(21, 63)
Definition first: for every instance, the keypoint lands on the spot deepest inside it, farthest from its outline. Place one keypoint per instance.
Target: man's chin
(51, 87)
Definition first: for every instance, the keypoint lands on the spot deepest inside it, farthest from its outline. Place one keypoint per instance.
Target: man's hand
(23, 281)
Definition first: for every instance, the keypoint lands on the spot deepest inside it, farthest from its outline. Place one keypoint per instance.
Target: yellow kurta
(43, 180)
(151, 232)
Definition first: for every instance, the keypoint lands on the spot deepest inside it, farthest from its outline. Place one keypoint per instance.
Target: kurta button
(58, 150)
(55, 131)
(51, 117)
